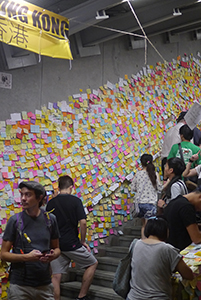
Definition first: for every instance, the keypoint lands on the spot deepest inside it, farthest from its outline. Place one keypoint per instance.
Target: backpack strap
(47, 220)
(19, 228)
(181, 183)
(180, 152)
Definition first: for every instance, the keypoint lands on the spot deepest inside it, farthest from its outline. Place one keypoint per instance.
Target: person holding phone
(33, 237)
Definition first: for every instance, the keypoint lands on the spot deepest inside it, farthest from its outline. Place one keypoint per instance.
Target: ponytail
(146, 161)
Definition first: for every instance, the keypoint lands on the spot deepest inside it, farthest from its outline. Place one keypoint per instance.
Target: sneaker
(84, 298)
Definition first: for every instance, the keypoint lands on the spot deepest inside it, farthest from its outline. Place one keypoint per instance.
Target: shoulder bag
(121, 282)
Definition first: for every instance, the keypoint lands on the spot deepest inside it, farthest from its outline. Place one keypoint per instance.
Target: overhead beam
(84, 15)
(155, 15)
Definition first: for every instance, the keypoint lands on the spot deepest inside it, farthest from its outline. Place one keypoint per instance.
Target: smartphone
(45, 251)
(49, 193)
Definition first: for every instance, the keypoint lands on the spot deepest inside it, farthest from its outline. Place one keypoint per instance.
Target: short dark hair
(177, 164)
(65, 182)
(36, 187)
(186, 132)
(181, 116)
(157, 226)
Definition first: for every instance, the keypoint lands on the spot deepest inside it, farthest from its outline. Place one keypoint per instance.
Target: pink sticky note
(58, 166)
(1, 186)
(35, 173)
(95, 243)
(18, 200)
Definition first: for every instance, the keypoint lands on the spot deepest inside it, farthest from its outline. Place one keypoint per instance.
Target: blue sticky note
(35, 128)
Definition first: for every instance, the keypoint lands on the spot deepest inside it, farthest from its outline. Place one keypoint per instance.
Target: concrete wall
(52, 80)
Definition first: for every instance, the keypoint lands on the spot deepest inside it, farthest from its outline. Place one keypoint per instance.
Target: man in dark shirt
(181, 216)
(69, 210)
(33, 237)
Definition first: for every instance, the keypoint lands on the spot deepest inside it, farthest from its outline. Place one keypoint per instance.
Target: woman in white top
(146, 184)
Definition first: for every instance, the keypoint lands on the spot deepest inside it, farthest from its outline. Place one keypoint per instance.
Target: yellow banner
(35, 29)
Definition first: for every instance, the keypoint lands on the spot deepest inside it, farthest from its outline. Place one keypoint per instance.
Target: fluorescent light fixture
(176, 12)
(101, 15)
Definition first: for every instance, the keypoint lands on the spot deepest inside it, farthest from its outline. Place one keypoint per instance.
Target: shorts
(24, 292)
(81, 256)
(147, 210)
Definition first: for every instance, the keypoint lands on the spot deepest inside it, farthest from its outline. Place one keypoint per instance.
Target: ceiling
(156, 16)
(171, 17)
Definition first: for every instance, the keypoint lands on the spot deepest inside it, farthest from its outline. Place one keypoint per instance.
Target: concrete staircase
(108, 259)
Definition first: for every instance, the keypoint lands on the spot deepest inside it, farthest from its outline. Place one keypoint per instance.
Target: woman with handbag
(146, 185)
(175, 186)
(153, 262)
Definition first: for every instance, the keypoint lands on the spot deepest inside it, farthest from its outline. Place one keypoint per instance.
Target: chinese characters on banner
(35, 29)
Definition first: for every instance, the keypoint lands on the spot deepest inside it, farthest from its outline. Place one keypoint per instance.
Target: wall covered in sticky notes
(97, 138)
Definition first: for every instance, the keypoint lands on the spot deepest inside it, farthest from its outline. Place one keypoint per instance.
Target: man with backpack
(33, 237)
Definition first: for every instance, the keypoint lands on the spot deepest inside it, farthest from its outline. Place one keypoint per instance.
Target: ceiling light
(176, 12)
(101, 15)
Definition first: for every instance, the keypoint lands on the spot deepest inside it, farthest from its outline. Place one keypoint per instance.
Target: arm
(159, 184)
(83, 230)
(184, 270)
(134, 184)
(194, 233)
(191, 172)
(166, 184)
(6, 255)
(188, 171)
(161, 203)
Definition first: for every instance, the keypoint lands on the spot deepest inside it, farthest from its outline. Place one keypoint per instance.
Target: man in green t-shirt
(188, 149)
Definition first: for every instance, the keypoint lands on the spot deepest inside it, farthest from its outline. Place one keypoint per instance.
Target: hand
(161, 203)
(34, 255)
(86, 246)
(48, 257)
(195, 156)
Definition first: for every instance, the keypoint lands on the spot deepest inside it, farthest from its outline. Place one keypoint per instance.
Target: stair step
(96, 292)
(108, 258)
(107, 263)
(101, 277)
(134, 231)
(114, 251)
(125, 240)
